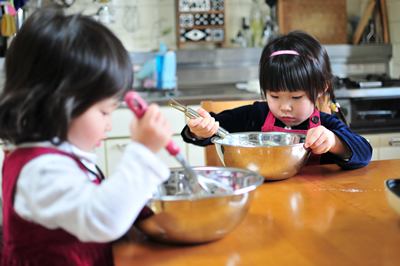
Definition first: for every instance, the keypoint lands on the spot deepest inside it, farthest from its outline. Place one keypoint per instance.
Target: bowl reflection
(180, 217)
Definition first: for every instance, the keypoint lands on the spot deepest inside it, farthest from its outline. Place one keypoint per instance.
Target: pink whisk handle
(139, 106)
(136, 103)
(172, 148)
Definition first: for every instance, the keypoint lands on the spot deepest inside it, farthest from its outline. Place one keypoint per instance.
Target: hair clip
(335, 107)
(313, 59)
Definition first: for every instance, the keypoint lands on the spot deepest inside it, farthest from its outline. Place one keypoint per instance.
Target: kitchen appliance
(278, 155)
(370, 106)
(366, 81)
(175, 217)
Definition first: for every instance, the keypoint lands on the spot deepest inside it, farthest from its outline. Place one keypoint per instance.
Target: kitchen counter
(195, 95)
(322, 216)
(229, 92)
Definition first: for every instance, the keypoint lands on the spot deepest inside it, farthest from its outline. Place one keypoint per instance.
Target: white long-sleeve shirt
(53, 191)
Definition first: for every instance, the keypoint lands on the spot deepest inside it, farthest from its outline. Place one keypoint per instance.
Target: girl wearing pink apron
(314, 121)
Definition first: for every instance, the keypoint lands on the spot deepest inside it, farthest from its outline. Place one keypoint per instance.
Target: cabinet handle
(394, 142)
(121, 146)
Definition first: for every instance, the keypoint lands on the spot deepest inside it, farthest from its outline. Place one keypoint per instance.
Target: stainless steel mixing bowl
(275, 156)
(179, 217)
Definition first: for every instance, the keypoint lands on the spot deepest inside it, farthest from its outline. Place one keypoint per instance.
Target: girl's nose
(286, 106)
(109, 126)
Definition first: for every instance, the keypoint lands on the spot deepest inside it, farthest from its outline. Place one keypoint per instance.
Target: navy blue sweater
(252, 118)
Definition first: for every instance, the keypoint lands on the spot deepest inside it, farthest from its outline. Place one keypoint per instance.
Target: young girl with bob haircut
(295, 71)
(65, 75)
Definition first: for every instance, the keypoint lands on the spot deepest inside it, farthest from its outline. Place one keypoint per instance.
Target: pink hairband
(284, 52)
(291, 52)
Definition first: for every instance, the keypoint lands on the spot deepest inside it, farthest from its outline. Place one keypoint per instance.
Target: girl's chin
(292, 124)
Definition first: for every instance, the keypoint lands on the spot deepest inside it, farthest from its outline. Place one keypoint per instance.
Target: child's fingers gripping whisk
(204, 126)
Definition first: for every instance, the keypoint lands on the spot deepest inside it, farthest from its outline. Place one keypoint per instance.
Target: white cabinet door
(386, 145)
(175, 118)
(374, 141)
(389, 146)
(119, 136)
(170, 160)
(196, 154)
(121, 119)
(115, 147)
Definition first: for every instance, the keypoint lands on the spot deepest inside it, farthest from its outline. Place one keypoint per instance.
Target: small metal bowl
(275, 156)
(392, 191)
(176, 216)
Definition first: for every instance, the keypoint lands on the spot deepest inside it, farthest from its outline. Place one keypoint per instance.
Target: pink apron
(314, 121)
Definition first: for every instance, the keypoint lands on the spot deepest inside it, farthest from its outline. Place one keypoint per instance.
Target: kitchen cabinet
(111, 149)
(386, 145)
(374, 141)
(196, 154)
(115, 147)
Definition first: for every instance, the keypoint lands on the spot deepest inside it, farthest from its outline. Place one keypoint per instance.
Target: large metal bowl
(176, 216)
(275, 156)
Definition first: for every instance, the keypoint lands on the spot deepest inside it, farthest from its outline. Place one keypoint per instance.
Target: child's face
(292, 108)
(87, 130)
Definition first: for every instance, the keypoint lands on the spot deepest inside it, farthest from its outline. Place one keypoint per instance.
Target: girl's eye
(105, 113)
(274, 96)
(298, 97)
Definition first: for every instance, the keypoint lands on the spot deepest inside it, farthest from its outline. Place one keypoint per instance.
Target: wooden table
(322, 216)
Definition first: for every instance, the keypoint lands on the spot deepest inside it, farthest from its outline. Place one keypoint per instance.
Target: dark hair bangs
(289, 73)
(72, 63)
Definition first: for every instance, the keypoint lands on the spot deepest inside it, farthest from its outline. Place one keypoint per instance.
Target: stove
(380, 113)
(368, 81)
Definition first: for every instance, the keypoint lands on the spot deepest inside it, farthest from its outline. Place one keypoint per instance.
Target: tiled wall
(154, 16)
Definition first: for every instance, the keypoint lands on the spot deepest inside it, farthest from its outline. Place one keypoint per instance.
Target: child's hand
(322, 140)
(204, 126)
(152, 130)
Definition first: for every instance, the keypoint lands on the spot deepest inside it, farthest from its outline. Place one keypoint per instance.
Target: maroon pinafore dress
(27, 243)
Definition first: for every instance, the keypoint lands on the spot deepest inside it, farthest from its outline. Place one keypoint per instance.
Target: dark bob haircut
(309, 72)
(57, 67)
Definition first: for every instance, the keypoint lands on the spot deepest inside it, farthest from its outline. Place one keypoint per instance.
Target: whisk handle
(139, 107)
